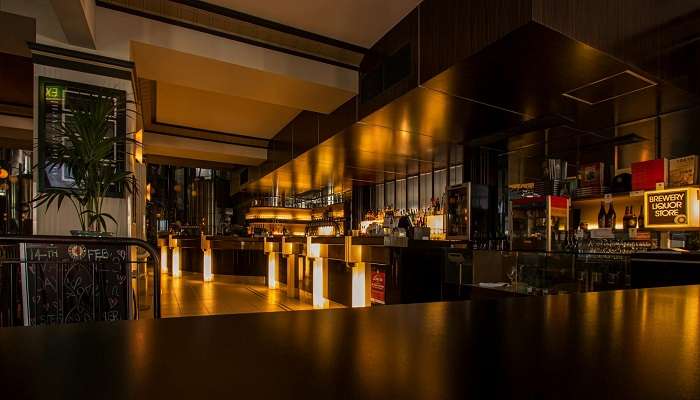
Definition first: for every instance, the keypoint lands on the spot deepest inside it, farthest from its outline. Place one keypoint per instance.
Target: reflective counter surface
(641, 343)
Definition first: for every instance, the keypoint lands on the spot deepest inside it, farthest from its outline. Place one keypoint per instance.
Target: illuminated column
(164, 259)
(292, 290)
(320, 285)
(206, 266)
(361, 281)
(272, 270)
(176, 263)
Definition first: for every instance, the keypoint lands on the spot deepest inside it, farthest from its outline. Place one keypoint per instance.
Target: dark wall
(452, 30)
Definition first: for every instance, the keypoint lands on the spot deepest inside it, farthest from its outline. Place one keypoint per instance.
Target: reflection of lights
(148, 192)
(315, 250)
(164, 259)
(206, 266)
(360, 285)
(319, 299)
(176, 263)
(272, 271)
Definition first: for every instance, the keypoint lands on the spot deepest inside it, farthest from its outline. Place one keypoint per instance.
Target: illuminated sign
(671, 208)
(53, 92)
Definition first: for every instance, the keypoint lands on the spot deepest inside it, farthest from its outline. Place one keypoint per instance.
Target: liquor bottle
(626, 219)
(601, 216)
(640, 219)
(633, 218)
(610, 217)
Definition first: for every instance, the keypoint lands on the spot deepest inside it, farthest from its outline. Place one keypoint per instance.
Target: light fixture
(138, 153)
(3, 173)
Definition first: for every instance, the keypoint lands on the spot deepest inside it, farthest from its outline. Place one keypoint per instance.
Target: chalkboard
(68, 283)
(57, 101)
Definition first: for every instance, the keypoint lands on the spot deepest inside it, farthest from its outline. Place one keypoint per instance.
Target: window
(426, 189)
(456, 175)
(389, 194)
(379, 197)
(412, 193)
(401, 194)
(439, 183)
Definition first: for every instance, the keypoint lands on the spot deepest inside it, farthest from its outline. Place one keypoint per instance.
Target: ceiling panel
(190, 107)
(208, 74)
(361, 22)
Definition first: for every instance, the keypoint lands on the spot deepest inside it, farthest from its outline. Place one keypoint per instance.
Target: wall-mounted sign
(58, 101)
(671, 208)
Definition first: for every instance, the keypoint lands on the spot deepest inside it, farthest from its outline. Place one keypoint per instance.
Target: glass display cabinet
(539, 223)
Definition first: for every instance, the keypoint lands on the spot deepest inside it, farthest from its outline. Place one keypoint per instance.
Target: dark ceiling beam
(77, 19)
(202, 5)
(226, 35)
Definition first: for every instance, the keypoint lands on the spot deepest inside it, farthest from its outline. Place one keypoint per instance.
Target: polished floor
(190, 296)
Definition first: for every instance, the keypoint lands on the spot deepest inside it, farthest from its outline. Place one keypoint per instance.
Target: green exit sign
(53, 92)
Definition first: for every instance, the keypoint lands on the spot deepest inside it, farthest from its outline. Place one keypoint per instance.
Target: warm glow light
(436, 223)
(366, 223)
(279, 213)
(138, 138)
(272, 270)
(314, 250)
(326, 231)
(360, 285)
(3, 173)
(148, 192)
(206, 266)
(319, 301)
(177, 273)
(164, 259)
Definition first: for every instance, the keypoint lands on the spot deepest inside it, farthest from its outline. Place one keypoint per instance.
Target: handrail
(100, 240)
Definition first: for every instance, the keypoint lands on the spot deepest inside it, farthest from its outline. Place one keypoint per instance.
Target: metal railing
(65, 279)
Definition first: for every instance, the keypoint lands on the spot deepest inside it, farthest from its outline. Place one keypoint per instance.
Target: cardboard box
(646, 174)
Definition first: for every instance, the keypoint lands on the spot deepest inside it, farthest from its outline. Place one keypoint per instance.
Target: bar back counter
(359, 271)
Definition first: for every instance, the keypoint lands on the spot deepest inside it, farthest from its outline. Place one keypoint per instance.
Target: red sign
(378, 292)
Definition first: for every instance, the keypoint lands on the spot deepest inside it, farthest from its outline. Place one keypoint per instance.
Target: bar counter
(641, 343)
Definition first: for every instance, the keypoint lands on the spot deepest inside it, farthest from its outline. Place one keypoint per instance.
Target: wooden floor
(190, 296)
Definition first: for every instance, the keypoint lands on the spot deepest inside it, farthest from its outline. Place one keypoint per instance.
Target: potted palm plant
(83, 145)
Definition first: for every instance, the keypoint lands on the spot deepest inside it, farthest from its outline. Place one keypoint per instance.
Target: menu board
(671, 208)
(68, 283)
(58, 101)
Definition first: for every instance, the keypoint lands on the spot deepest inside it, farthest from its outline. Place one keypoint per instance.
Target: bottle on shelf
(610, 217)
(633, 218)
(601, 215)
(640, 219)
(626, 218)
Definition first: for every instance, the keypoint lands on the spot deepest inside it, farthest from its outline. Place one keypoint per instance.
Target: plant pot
(77, 232)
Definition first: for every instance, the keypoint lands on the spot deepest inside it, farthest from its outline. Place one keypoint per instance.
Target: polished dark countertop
(624, 344)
